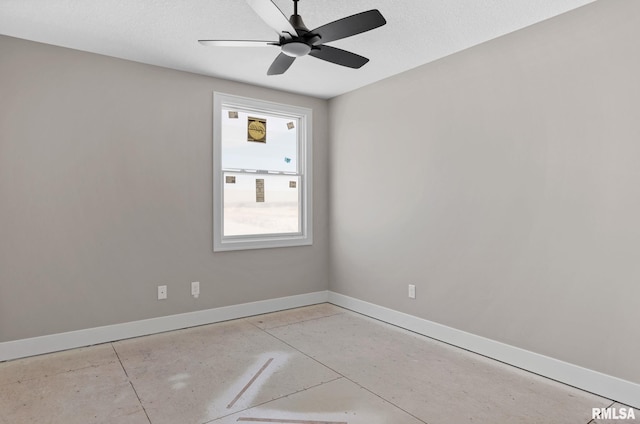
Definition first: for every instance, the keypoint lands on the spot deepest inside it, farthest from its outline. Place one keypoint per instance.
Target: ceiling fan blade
(237, 43)
(339, 56)
(281, 64)
(270, 13)
(351, 25)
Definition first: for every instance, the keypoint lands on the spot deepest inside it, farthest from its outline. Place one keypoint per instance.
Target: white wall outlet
(412, 291)
(162, 292)
(195, 289)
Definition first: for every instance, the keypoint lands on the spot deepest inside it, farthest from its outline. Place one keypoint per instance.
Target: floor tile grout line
(131, 383)
(120, 361)
(273, 400)
(58, 372)
(593, 420)
(55, 373)
(346, 378)
(301, 321)
(140, 401)
(287, 421)
(304, 353)
(388, 401)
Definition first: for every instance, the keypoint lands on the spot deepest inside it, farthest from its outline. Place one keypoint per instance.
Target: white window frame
(304, 163)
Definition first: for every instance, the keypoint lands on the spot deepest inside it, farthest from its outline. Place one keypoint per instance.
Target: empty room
(319, 212)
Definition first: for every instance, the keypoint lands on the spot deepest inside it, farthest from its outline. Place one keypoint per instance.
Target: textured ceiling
(165, 33)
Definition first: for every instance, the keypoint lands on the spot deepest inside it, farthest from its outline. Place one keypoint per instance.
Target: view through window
(261, 174)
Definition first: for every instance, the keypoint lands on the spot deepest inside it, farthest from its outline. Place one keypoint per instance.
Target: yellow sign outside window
(257, 130)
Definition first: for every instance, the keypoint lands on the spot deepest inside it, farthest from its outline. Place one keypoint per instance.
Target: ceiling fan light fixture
(296, 49)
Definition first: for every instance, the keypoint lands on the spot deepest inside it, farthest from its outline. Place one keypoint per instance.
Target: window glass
(261, 174)
(277, 153)
(249, 210)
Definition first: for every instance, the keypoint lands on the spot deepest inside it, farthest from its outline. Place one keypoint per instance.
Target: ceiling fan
(296, 40)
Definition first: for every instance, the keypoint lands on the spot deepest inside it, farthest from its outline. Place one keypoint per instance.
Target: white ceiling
(165, 33)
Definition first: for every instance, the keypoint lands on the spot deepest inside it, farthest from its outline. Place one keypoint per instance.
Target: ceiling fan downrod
(296, 20)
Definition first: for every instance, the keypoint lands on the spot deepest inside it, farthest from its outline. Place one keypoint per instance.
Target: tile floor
(315, 365)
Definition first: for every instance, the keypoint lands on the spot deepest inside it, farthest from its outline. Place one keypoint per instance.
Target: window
(261, 174)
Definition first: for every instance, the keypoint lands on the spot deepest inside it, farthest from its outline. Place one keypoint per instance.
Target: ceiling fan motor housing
(302, 44)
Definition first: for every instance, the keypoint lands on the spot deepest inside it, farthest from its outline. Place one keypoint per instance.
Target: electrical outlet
(162, 292)
(195, 289)
(412, 291)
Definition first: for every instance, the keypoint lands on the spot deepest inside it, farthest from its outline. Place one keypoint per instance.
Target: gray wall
(106, 192)
(504, 181)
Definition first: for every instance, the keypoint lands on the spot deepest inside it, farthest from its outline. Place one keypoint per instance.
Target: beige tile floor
(315, 365)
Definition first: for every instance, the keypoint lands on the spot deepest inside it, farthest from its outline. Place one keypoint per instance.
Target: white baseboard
(91, 336)
(601, 384)
(595, 382)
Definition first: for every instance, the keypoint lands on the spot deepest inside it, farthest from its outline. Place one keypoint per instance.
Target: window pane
(262, 175)
(277, 153)
(260, 204)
